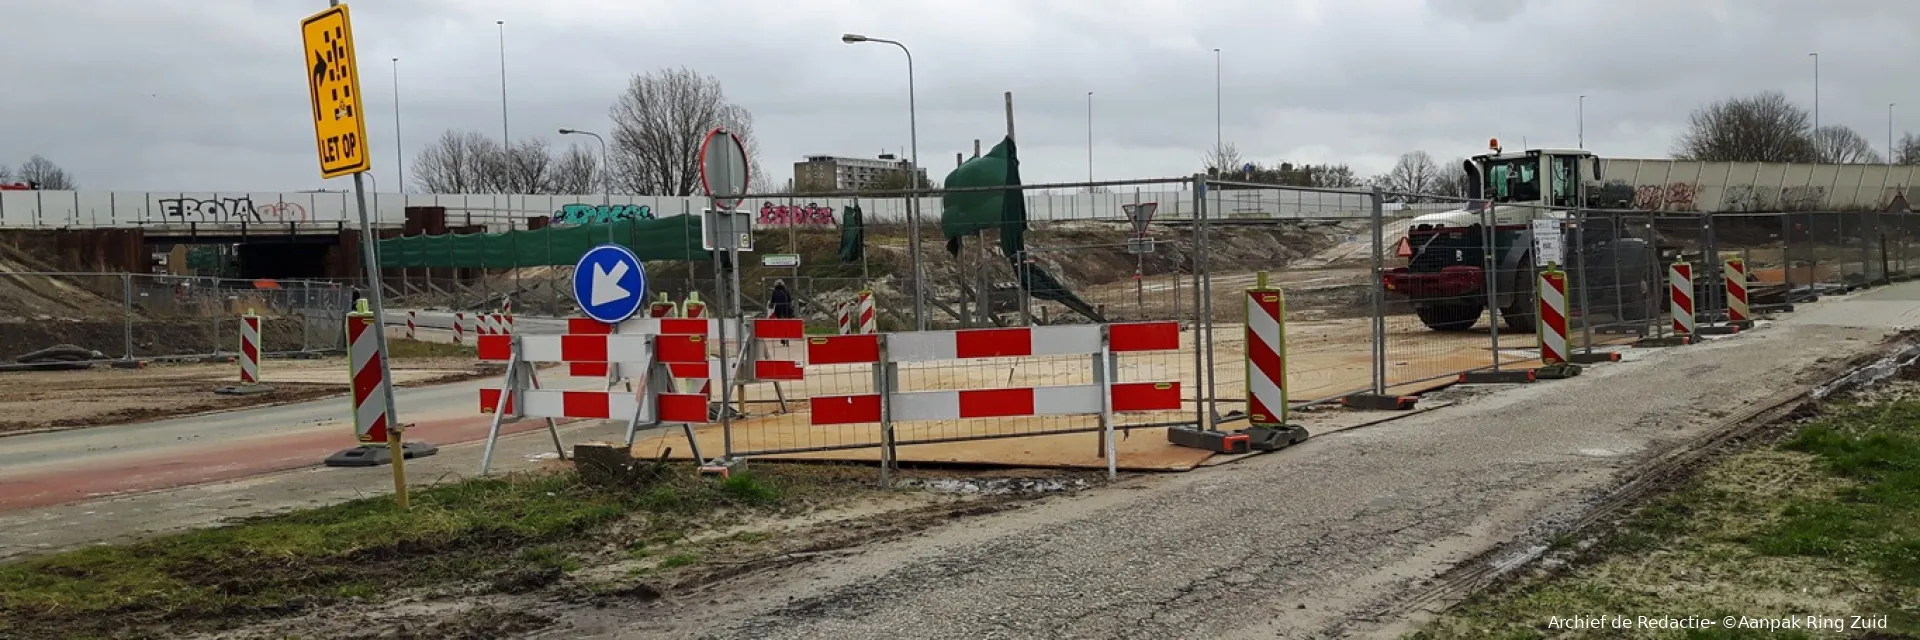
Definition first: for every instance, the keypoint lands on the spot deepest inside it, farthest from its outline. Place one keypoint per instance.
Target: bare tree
(1765, 127)
(1908, 150)
(43, 173)
(1414, 174)
(6, 175)
(1224, 161)
(658, 124)
(1453, 181)
(1840, 144)
(575, 171)
(1332, 176)
(898, 180)
(470, 162)
(456, 163)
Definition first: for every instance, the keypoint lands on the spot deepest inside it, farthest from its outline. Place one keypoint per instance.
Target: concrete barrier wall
(316, 211)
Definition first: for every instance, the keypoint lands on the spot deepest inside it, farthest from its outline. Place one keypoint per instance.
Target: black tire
(1520, 314)
(1448, 317)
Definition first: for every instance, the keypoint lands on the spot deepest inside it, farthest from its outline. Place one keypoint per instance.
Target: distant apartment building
(834, 173)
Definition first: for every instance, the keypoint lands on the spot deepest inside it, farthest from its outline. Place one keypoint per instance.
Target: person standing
(782, 302)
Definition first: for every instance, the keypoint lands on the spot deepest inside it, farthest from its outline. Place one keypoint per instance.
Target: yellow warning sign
(333, 83)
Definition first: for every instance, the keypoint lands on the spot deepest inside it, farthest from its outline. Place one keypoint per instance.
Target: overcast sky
(204, 95)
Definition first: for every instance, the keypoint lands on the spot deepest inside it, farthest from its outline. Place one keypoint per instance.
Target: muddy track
(1639, 483)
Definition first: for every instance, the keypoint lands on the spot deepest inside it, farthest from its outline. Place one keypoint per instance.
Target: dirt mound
(25, 294)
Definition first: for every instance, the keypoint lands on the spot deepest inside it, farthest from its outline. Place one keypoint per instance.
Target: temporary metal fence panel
(138, 315)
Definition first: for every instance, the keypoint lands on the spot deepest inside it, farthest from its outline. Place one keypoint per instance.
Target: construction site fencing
(125, 316)
(1381, 303)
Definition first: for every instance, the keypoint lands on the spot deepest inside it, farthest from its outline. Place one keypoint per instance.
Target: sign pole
(333, 82)
(374, 301)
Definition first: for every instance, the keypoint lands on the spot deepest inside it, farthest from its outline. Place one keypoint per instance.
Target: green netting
(672, 238)
(970, 212)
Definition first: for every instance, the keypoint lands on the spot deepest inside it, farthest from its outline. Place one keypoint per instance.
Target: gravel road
(1316, 541)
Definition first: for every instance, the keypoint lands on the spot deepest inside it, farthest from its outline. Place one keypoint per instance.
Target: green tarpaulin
(671, 238)
(853, 234)
(967, 213)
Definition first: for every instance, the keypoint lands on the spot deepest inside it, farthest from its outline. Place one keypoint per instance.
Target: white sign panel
(1547, 245)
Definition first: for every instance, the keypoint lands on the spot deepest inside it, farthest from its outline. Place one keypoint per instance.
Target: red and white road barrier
(369, 378)
(863, 314)
(249, 348)
(759, 366)
(1735, 272)
(459, 328)
(1266, 356)
(587, 327)
(1103, 398)
(1553, 316)
(592, 348)
(653, 354)
(1680, 285)
(410, 328)
(845, 314)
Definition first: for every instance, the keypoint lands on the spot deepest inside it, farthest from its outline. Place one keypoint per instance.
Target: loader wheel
(1448, 317)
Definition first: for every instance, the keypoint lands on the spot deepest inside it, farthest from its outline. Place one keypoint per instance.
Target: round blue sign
(609, 283)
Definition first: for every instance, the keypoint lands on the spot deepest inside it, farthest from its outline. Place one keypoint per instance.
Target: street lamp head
(853, 38)
(565, 131)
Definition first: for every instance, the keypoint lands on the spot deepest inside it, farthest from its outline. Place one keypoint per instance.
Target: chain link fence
(149, 316)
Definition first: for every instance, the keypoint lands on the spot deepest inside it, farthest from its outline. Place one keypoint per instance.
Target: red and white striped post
(1266, 355)
(663, 308)
(410, 328)
(1680, 286)
(506, 316)
(249, 348)
(845, 314)
(1735, 272)
(459, 327)
(370, 420)
(693, 307)
(1553, 316)
(863, 313)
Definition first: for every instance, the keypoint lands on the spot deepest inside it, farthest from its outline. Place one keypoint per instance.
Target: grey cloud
(177, 95)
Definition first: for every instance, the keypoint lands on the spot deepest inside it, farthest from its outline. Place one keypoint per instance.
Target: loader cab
(1544, 177)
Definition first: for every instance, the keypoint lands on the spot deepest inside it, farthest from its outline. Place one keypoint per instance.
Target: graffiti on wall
(241, 209)
(1763, 198)
(578, 213)
(1677, 196)
(807, 215)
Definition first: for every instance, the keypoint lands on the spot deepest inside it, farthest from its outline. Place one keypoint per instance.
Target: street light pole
(606, 188)
(1890, 133)
(1580, 114)
(1816, 93)
(1089, 139)
(505, 140)
(920, 292)
(399, 156)
(1218, 147)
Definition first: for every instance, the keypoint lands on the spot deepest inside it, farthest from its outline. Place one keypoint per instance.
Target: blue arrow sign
(609, 283)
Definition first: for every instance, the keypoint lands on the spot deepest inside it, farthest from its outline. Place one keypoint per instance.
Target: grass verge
(514, 533)
(1825, 523)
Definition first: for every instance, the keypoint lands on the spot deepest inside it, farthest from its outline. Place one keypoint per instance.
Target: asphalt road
(1317, 541)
